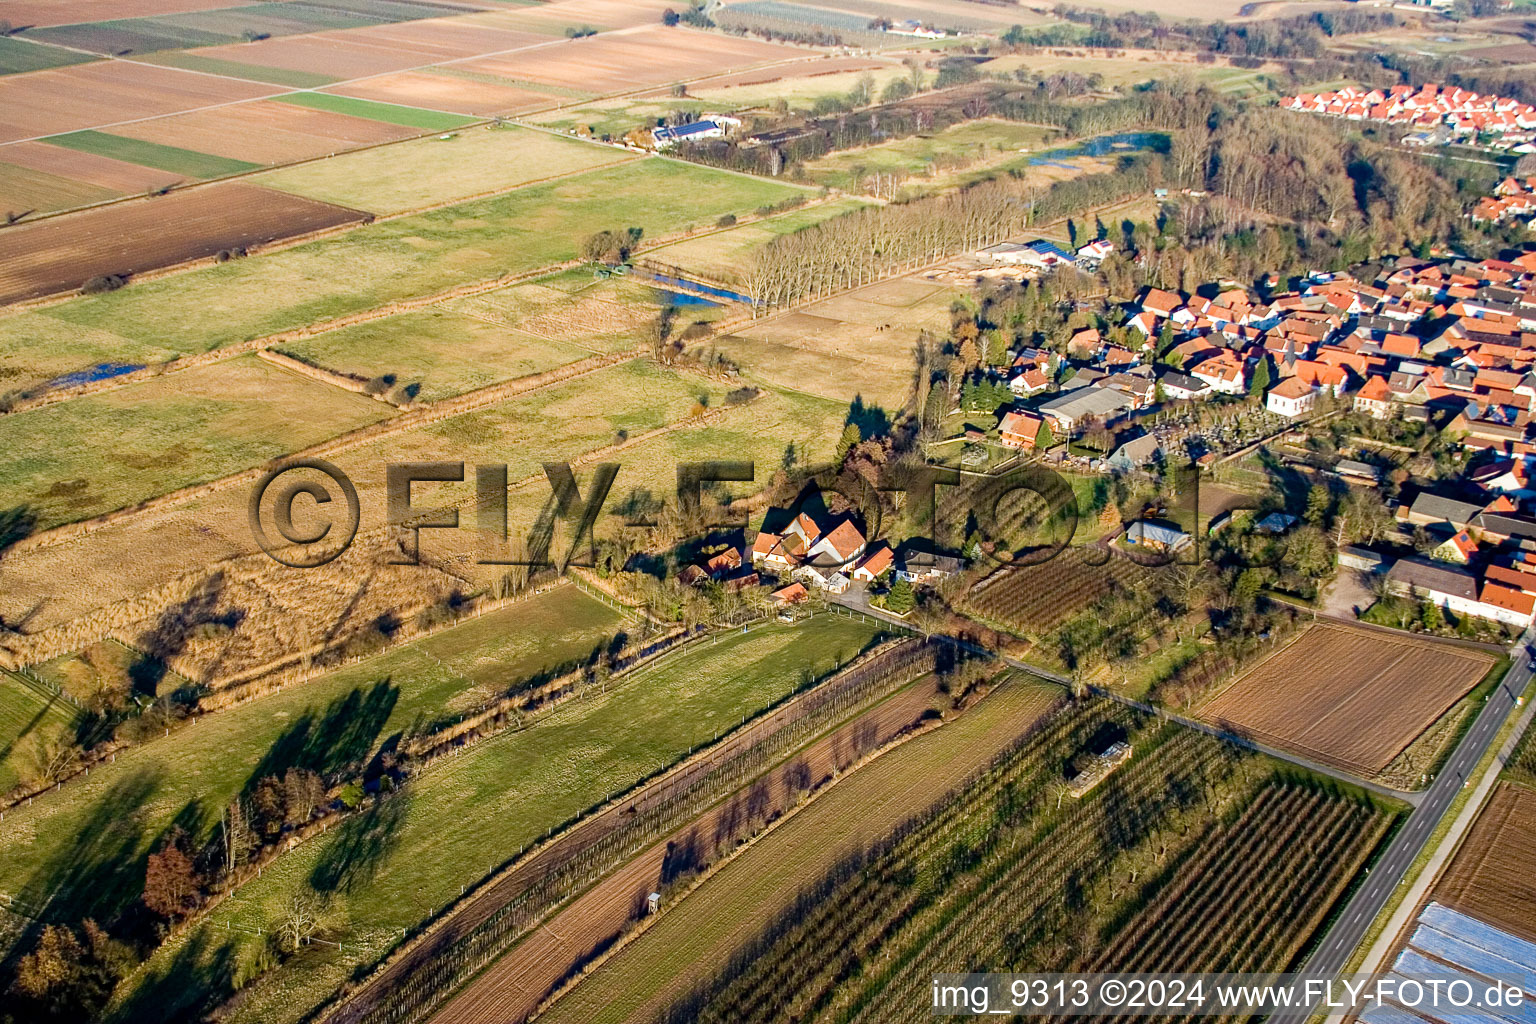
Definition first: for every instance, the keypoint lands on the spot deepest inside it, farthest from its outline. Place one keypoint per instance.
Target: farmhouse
(1020, 430)
(1070, 408)
(1433, 510)
(705, 128)
(1457, 591)
(1180, 386)
(876, 561)
(1292, 397)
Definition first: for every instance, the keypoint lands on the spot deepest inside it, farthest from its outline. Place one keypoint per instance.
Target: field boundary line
(645, 923)
(1449, 846)
(468, 402)
(683, 765)
(285, 90)
(395, 308)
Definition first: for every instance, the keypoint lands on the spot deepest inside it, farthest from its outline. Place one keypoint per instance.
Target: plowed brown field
(1348, 697)
(378, 49)
(108, 92)
(1493, 875)
(611, 62)
(43, 13)
(265, 132)
(444, 92)
(117, 175)
(61, 254)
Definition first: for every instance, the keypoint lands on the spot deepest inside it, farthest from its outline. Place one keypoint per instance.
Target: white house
(1291, 397)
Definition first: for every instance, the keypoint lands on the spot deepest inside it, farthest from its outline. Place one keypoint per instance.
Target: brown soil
(1348, 697)
(1493, 875)
(265, 132)
(107, 92)
(60, 254)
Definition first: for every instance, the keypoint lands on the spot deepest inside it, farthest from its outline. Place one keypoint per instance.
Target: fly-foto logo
(305, 513)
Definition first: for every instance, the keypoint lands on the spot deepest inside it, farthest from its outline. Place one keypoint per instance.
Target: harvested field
(200, 424)
(934, 160)
(1507, 53)
(236, 69)
(1493, 875)
(431, 172)
(359, 52)
(217, 27)
(19, 55)
(188, 163)
(106, 92)
(59, 255)
(956, 14)
(191, 540)
(264, 132)
(118, 176)
(519, 981)
(67, 12)
(121, 37)
(474, 811)
(445, 92)
(704, 929)
(646, 56)
(726, 256)
(434, 354)
(1316, 695)
(603, 318)
(811, 67)
(553, 18)
(854, 344)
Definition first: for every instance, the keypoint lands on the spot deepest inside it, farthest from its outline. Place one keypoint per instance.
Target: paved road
(857, 600)
(1389, 872)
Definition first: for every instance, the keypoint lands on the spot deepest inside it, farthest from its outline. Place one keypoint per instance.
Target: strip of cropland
(370, 267)
(454, 823)
(1312, 695)
(516, 985)
(705, 927)
(81, 851)
(689, 802)
(63, 254)
(1009, 870)
(430, 172)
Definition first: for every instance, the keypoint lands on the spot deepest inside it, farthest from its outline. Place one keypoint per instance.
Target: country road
(1429, 807)
(856, 600)
(1390, 871)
